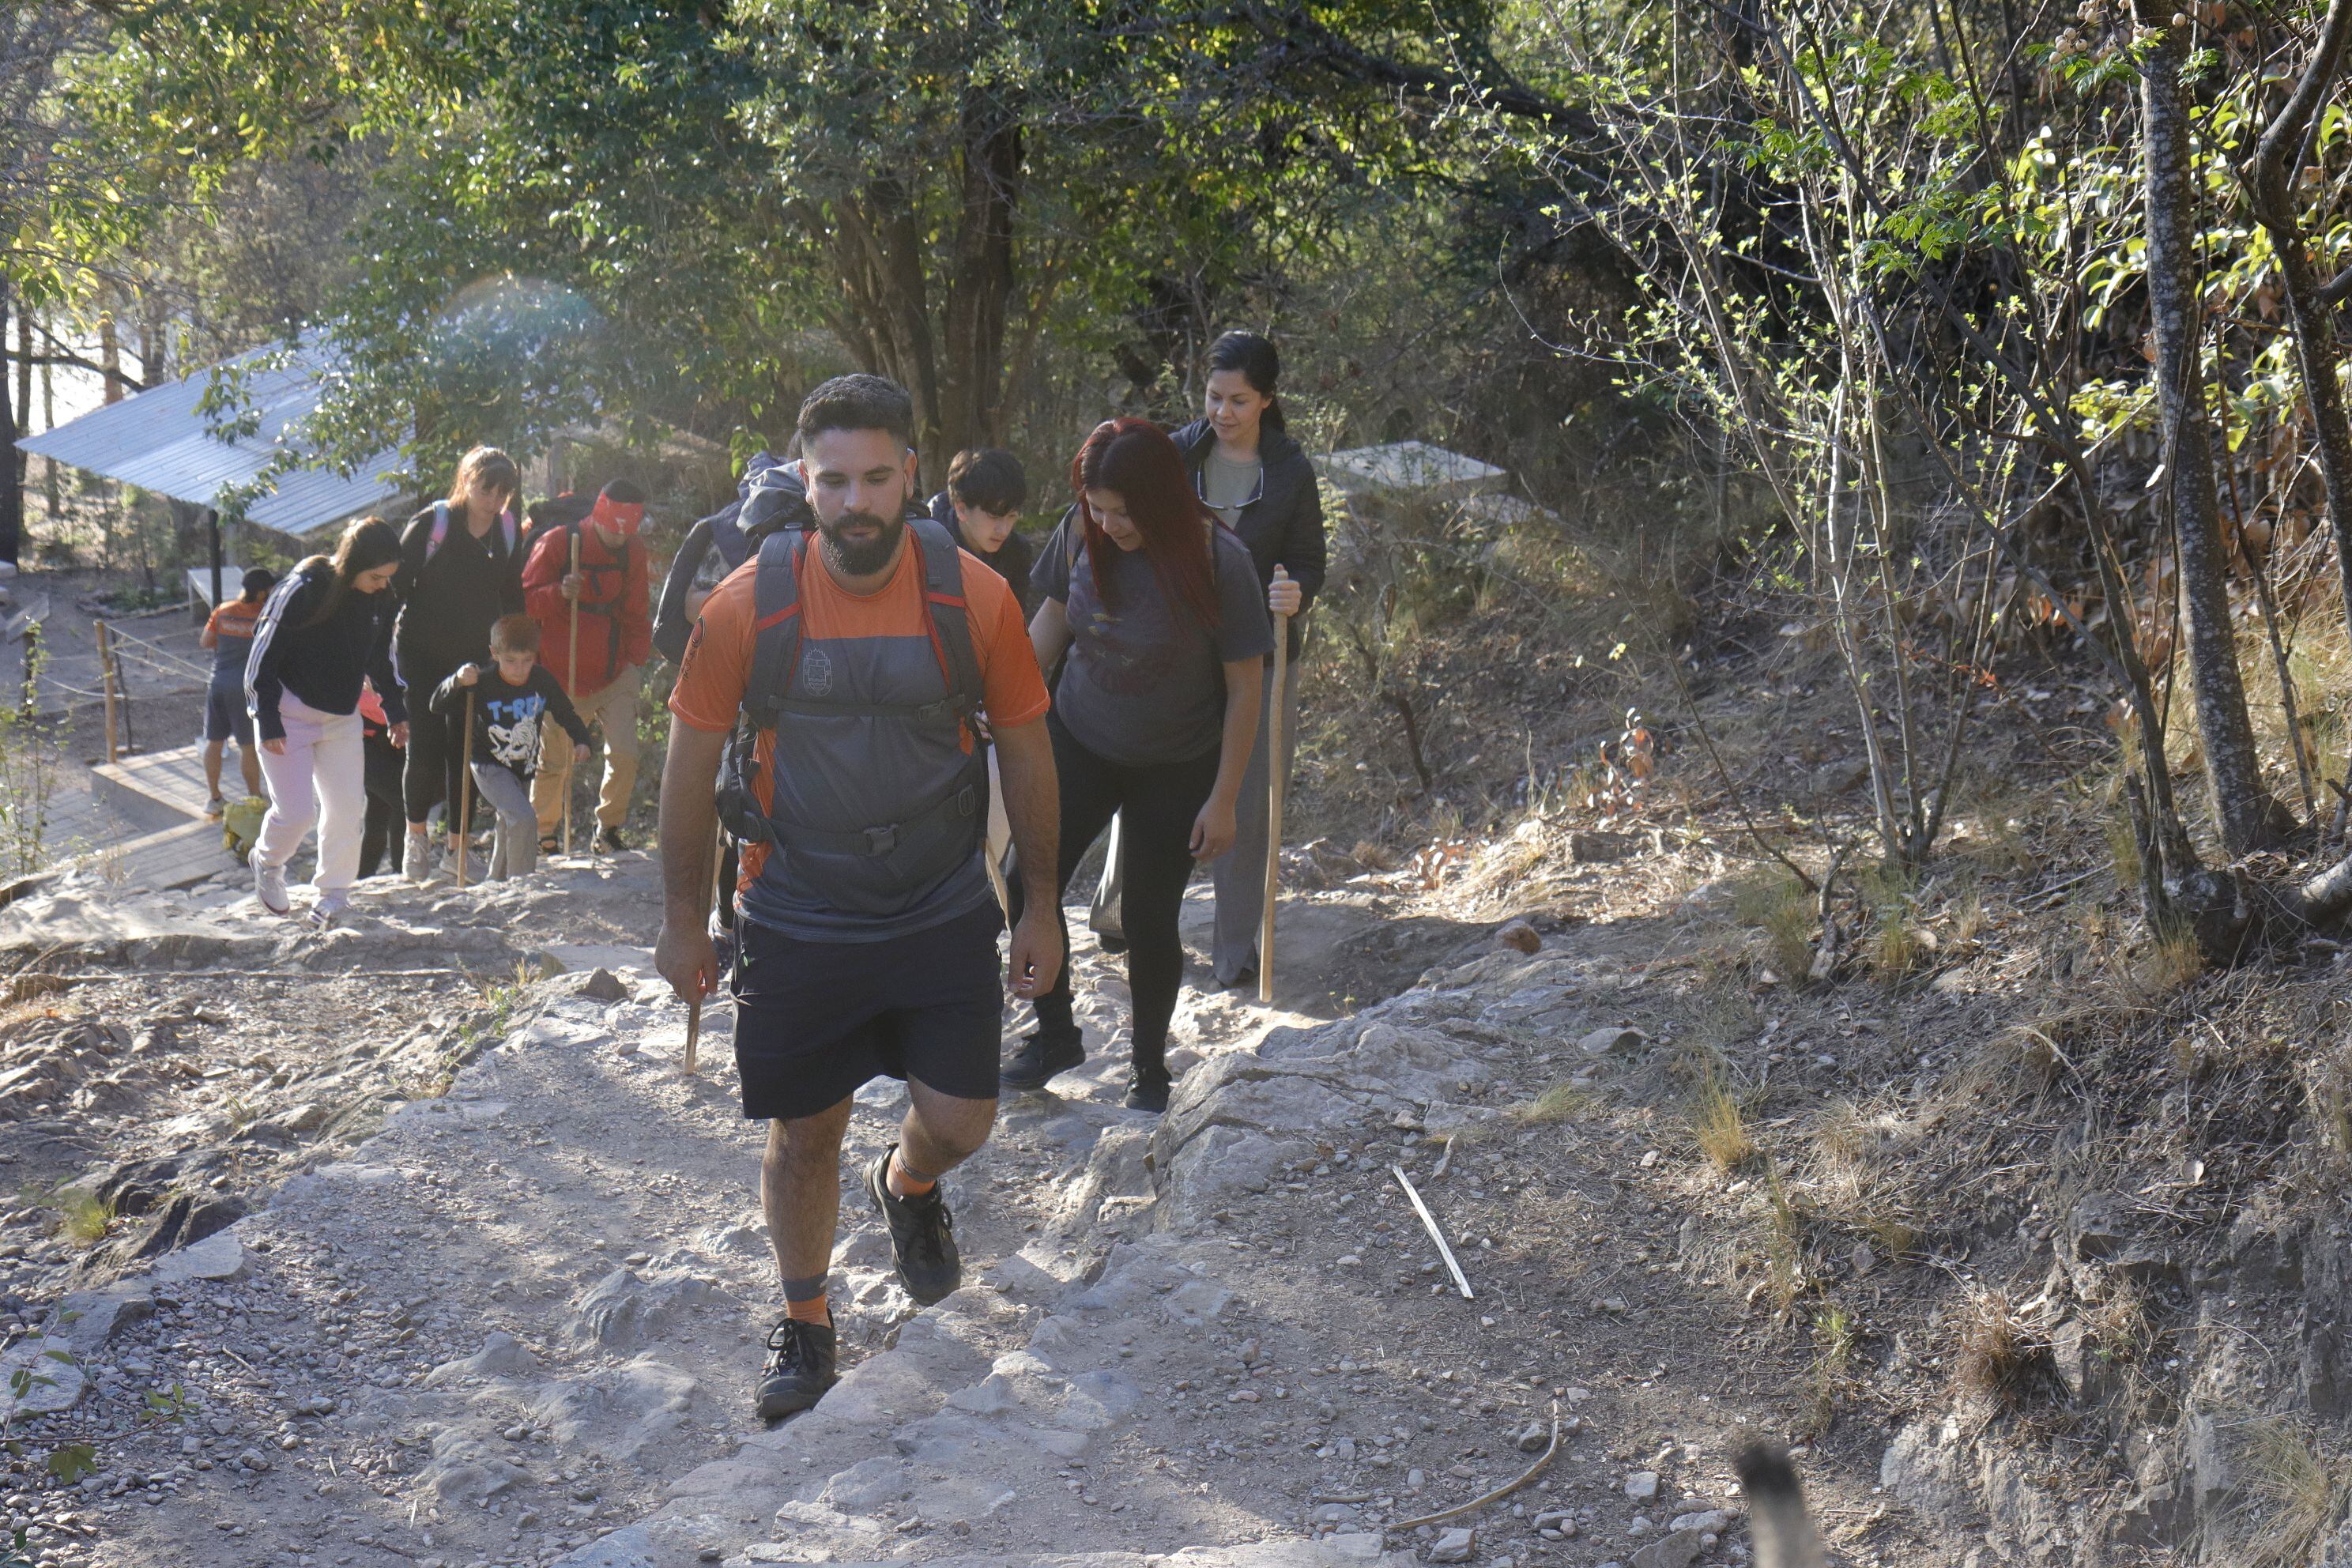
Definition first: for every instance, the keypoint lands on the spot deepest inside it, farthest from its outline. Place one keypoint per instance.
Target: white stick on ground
(1436, 1234)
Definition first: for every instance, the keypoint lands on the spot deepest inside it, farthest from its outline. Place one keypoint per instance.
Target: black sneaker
(922, 1234)
(610, 840)
(1148, 1091)
(1041, 1056)
(798, 1369)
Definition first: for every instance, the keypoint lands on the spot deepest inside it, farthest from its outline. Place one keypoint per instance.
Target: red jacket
(615, 623)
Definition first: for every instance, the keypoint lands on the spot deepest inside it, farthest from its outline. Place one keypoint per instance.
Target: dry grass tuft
(2171, 965)
(2292, 1493)
(1717, 1124)
(1784, 1244)
(2003, 1356)
(83, 1217)
(1834, 1343)
(1560, 1102)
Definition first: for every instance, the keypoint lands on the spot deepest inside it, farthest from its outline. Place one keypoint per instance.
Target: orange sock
(813, 1311)
(903, 1182)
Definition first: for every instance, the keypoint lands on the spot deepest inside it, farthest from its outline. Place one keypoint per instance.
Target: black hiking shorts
(816, 1020)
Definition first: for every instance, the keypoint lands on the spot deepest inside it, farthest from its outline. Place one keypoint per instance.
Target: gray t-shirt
(1143, 684)
(1226, 488)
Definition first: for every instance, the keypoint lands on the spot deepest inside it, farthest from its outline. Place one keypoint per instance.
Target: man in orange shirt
(860, 654)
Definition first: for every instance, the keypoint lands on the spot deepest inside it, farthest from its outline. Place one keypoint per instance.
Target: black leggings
(437, 747)
(1157, 807)
(379, 836)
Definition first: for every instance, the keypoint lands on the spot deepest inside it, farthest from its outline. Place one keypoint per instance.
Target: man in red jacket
(609, 596)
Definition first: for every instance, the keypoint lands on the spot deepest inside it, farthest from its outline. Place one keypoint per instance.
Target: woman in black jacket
(460, 570)
(1248, 469)
(326, 629)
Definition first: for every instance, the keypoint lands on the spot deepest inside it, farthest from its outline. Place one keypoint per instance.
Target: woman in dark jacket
(326, 629)
(1247, 470)
(460, 570)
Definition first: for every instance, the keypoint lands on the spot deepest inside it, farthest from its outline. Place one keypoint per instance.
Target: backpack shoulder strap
(440, 530)
(946, 613)
(776, 623)
(511, 527)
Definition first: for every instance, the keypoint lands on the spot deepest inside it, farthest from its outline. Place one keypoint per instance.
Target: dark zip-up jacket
(449, 601)
(321, 665)
(722, 532)
(1284, 526)
(1011, 561)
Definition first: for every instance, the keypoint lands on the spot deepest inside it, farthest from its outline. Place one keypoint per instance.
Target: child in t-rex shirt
(512, 703)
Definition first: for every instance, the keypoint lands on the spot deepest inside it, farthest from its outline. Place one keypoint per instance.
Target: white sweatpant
(322, 779)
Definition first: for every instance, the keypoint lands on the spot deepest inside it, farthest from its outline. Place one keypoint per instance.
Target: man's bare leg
(940, 1131)
(800, 1193)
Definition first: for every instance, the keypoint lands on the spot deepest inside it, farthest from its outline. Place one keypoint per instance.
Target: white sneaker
(417, 859)
(270, 886)
(329, 907)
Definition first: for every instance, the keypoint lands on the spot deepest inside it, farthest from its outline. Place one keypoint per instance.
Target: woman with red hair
(1159, 607)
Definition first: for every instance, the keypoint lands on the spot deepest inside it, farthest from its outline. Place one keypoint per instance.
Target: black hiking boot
(798, 1369)
(609, 839)
(1041, 1056)
(1148, 1091)
(922, 1234)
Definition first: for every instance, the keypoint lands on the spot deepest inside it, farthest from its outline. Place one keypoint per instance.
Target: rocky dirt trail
(503, 1286)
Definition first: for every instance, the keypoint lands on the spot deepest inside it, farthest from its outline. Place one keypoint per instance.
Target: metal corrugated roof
(158, 440)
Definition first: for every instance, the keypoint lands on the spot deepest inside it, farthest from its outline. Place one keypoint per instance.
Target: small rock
(1601, 1042)
(1519, 937)
(1711, 1521)
(604, 985)
(1642, 1485)
(1534, 1439)
(1679, 1550)
(1454, 1546)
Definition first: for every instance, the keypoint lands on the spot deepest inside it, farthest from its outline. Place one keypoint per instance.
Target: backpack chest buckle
(881, 841)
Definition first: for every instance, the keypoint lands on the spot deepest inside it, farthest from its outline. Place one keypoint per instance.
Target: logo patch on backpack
(816, 671)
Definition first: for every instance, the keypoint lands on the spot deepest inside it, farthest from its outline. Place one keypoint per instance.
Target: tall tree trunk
(12, 494)
(49, 422)
(2243, 808)
(981, 274)
(2278, 159)
(109, 356)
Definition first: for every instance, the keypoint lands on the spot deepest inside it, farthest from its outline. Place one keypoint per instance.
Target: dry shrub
(2292, 1492)
(2002, 1355)
(1855, 1186)
(1775, 903)
(2172, 962)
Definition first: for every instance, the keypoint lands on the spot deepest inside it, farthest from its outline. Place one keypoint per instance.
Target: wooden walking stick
(571, 674)
(465, 794)
(1276, 724)
(693, 1064)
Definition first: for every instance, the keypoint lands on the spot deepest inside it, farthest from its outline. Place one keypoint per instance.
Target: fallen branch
(1543, 1461)
(1429, 1222)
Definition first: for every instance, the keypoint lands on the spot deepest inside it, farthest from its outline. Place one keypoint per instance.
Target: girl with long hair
(325, 630)
(460, 570)
(1246, 469)
(1159, 608)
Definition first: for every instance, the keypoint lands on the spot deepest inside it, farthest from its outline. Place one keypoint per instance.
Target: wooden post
(571, 674)
(465, 794)
(1276, 724)
(106, 678)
